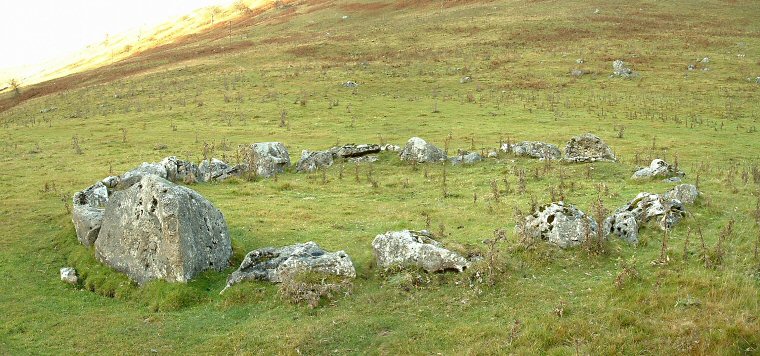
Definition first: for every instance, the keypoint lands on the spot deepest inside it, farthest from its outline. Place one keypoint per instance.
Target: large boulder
(563, 225)
(353, 150)
(626, 221)
(313, 160)
(271, 264)
(657, 169)
(410, 248)
(270, 158)
(156, 229)
(534, 149)
(685, 193)
(178, 170)
(87, 212)
(588, 148)
(418, 150)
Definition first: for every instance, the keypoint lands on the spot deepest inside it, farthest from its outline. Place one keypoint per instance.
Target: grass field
(229, 87)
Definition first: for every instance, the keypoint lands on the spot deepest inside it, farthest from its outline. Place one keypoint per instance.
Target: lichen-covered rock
(409, 248)
(466, 158)
(69, 275)
(588, 148)
(685, 193)
(619, 69)
(313, 160)
(657, 169)
(156, 229)
(540, 150)
(644, 208)
(178, 170)
(156, 169)
(563, 225)
(214, 170)
(87, 212)
(270, 158)
(270, 263)
(352, 150)
(418, 150)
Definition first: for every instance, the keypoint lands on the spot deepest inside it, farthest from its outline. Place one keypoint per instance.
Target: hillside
(278, 74)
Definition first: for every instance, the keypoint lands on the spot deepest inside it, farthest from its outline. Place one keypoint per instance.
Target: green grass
(406, 60)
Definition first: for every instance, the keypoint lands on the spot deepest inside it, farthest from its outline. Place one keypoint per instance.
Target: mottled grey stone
(313, 160)
(657, 169)
(534, 149)
(69, 275)
(559, 224)
(588, 148)
(416, 149)
(270, 158)
(685, 193)
(87, 212)
(409, 248)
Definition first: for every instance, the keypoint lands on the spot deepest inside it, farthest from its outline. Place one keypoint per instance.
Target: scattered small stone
(350, 84)
(465, 80)
(411, 248)
(706, 60)
(597, 11)
(657, 169)
(466, 158)
(271, 263)
(577, 73)
(389, 147)
(672, 180)
(493, 154)
(580, 61)
(69, 275)
(692, 67)
(559, 224)
(363, 159)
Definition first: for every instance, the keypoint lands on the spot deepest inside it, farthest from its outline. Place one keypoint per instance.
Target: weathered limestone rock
(145, 168)
(685, 193)
(540, 150)
(588, 148)
(363, 159)
(657, 169)
(156, 229)
(466, 158)
(619, 69)
(410, 248)
(69, 275)
(314, 160)
(559, 224)
(628, 219)
(270, 158)
(214, 170)
(352, 150)
(416, 149)
(271, 263)
(87, 212)
(390, 147)
(178, 170)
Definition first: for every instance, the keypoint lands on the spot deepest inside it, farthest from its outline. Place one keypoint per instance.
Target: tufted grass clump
(313, 288)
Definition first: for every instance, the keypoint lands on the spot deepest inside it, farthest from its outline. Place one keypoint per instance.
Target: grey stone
(313, 160)
(672, 180)
(69, 275)
(350, 84)
(389, 147)
(588, 148)
(493, 154)
(145, 168)
(363, 159)
(559, 224)
(465, 80)
(619, 69)
(540, 150)
(416, 149)
(644, 208)
(685, 193)
(110, 182)
(270, 158)
(352, 150)
(657, 169)
(156, 229)
(270, 263)
(215, 170)
(87, 212)
(624, 225)
(178, 170)
(706, 60)
(579, 61)
(577, 73)
(409, 248)
(466, 158)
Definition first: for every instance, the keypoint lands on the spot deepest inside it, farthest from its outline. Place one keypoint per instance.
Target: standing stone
(270, 158)
(416, 149)
(588, 148)
(410, 248)
(563, 225)
(312, 161)
(156, 229)
(87, 212)
(271, 263)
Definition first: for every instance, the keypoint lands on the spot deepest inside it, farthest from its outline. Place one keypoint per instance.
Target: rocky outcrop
(588, 148)
(418, 150)
(534, 149)
(685, 193)
(657, 169)
(270, 158)
(87, 212)
(409, 248)
(313, 160)
(155, 229)
(626, 221)
(562, 225)
(352, 150)
(270, 264)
